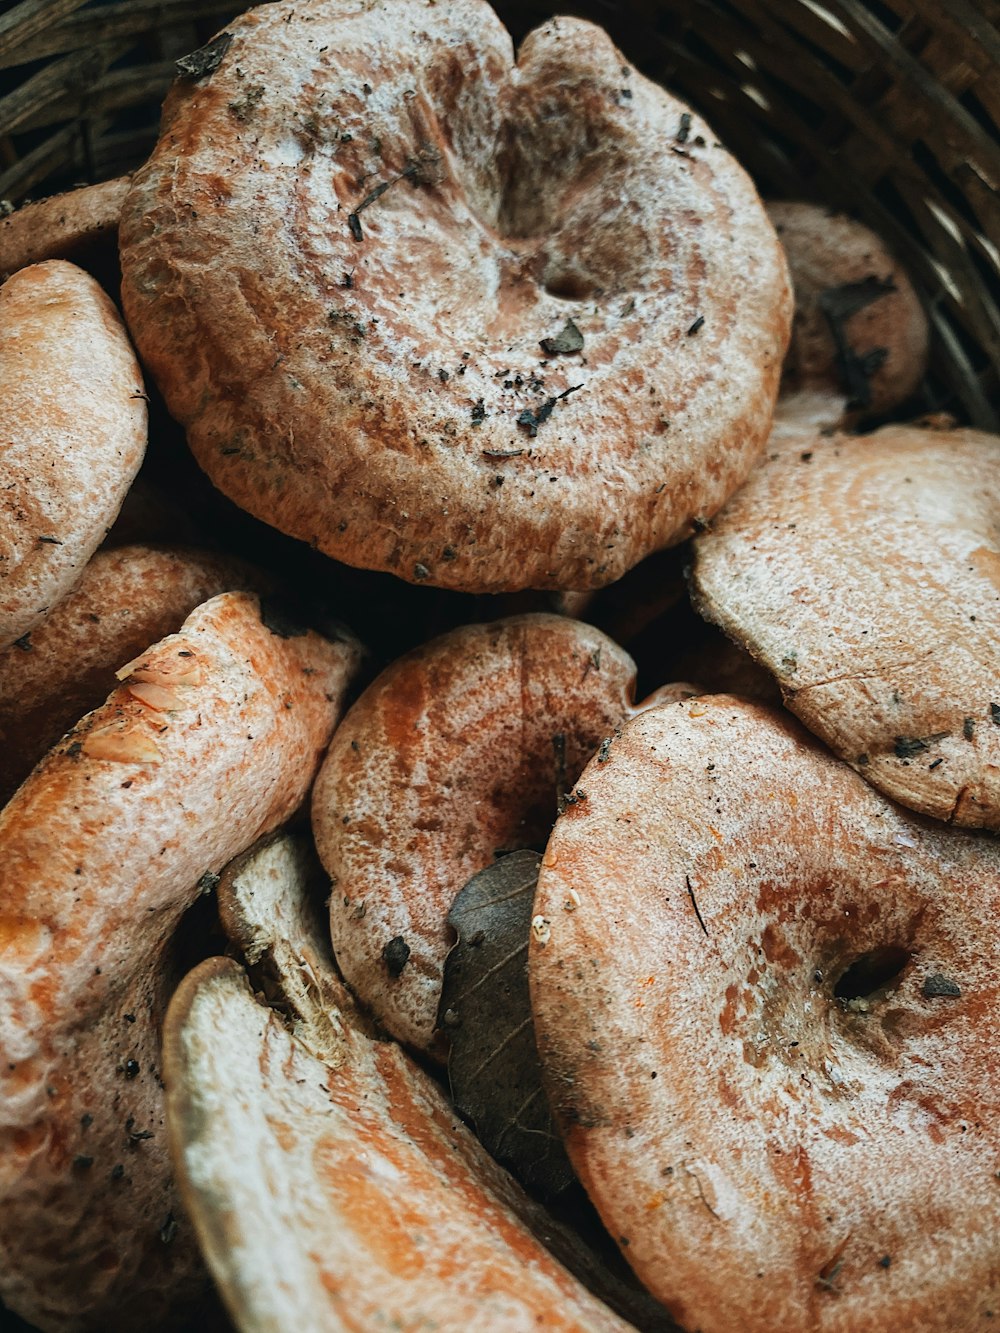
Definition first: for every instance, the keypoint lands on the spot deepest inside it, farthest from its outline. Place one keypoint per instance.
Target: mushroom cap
(211, 740)
(864, 572)
(74, 434)
(859, 326)
(272, 906)
(765, 1000)
(64, 226)
(331, 1185)
(125, 600)
(354, 236)
(457, 751)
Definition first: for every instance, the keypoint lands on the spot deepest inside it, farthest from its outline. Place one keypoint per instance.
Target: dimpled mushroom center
(547, 172)
(580, 239)
(871, 975)
(818, 993)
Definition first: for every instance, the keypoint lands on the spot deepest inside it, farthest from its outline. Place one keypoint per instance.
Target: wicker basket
(887, 109)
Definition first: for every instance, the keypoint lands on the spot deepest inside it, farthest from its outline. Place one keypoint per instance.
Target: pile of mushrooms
(426, 979)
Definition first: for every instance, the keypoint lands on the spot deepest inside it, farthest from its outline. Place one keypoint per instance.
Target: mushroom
(765, 1000)
(211, 740)
(457, 751)
(125, 600)
(863, 572)
(331, 1185)
(485, 325)
(859, 331)
(75, 434)
(272, 908)
(73, 225)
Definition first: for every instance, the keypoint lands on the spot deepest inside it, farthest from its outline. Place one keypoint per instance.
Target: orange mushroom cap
(484, 323)
(765, 1000)
(457, 751)
(331, 1185)
(211, 740)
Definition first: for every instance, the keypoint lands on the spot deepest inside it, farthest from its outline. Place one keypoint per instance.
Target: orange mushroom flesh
(765, 1000)
(125, 600)
(330, 1184)
(211, 740)
(459, 750)
(864, 573)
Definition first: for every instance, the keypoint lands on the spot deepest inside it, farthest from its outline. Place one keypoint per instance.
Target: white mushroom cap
(864, 573)
(483, 322)
(331, 1185)
(74, 434)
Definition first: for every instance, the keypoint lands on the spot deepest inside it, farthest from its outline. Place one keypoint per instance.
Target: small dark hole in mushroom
(568, 286)
(871, 972)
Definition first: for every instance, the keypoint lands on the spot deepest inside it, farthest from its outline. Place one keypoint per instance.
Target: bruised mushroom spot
(21, 938)
(402, 723)
(44, 992)
(731, 1096)
(284, 1134)
(332, 1283)
(921, 1109)
(986, 563)
(727, 1019)
(368, 830)
(777, 949)
(18, 1077)
(840, 1134)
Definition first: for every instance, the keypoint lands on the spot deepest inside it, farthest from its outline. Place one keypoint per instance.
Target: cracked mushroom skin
(757, 988)
(864, 574)
(457, 750)
(483, 324)
(74, 434)
(210, 741)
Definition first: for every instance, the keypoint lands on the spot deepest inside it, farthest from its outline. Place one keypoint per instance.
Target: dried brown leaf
(486, 1012)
